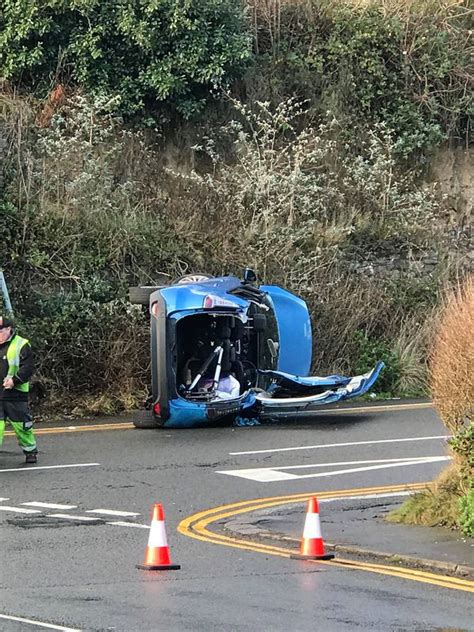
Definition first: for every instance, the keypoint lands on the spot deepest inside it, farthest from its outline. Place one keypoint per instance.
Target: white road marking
(111, 512)
(72, 517)
(19, 509)
(50, 626)
(118, 523)
(35, 503)
(333, 500)
(2, 499)
(268, 475)
(105, 512)
(47, 467)
(334, 463)
(338, 445)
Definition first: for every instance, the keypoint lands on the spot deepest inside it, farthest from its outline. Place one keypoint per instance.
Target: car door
(294, 396)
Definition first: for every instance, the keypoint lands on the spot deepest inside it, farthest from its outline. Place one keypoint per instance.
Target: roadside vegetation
(450, 499)
(295, 136)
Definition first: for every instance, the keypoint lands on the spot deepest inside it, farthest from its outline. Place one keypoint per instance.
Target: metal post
(6, 297)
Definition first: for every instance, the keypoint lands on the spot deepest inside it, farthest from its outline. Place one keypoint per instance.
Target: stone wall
(453, 169)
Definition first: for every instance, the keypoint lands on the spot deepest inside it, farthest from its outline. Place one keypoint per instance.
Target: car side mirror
(249, 276)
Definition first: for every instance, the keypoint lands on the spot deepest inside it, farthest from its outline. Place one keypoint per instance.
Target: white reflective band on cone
(157, 536)
(312, 527)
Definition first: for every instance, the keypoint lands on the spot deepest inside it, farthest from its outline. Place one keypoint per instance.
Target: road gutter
(447, 568)
(198, 525)
(123, 422)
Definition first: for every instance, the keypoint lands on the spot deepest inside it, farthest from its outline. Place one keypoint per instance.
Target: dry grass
(452, 358)
(270, 7)
(410, 350)
(437, 506)
(451, 378)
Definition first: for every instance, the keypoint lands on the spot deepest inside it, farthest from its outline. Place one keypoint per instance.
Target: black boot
(31, 457)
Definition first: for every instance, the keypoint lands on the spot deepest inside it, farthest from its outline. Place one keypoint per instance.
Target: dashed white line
(338, 445)
(35, 503)
(36, 468)
(118, 523)
(72, 517)
(3, 499)
(39, 624)
(63, 516)
(19, 510)
(111, 512)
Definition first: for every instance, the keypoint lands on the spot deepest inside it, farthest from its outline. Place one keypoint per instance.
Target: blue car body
(223, 348)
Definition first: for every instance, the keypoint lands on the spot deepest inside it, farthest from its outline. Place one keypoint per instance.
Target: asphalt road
(72, 563)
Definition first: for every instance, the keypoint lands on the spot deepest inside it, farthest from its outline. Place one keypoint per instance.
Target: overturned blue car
(227, 349)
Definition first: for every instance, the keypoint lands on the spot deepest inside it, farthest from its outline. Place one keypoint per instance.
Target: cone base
(298, 556)
(159, 567)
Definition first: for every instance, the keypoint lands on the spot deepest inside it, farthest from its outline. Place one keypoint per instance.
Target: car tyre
(145, 420)
(141, 295)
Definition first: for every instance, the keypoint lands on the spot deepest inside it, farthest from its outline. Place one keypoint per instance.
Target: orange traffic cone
(312, 545)
(157, 554)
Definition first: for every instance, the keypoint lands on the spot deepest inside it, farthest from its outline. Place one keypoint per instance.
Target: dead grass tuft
(438, 506)
(452, 359)
(451, 378)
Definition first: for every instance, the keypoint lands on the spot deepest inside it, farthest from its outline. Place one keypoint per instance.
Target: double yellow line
(197, 526)
(374, 408)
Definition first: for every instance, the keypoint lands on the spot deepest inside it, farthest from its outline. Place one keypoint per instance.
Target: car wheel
(145, 420)
(197, 277)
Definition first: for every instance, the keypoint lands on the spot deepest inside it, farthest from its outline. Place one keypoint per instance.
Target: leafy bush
(370, 351)
(140, 53)
(466, 519)
(401, 63)
(407, 67)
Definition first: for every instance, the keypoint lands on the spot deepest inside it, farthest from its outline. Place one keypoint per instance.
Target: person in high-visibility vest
(16, 369)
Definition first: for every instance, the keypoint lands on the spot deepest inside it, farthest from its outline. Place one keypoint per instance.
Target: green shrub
(168, 53)
(371, 350)
(370, 62)
(466, 519)
(462, 444)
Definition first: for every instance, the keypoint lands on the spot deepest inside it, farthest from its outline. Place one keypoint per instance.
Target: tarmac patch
(49, 522)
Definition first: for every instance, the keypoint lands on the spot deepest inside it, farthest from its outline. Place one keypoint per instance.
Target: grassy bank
(300, 149)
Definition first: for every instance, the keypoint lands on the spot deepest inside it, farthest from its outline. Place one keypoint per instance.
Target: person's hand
(8, 383)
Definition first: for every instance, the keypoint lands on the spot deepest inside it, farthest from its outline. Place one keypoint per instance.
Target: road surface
(74, 528)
